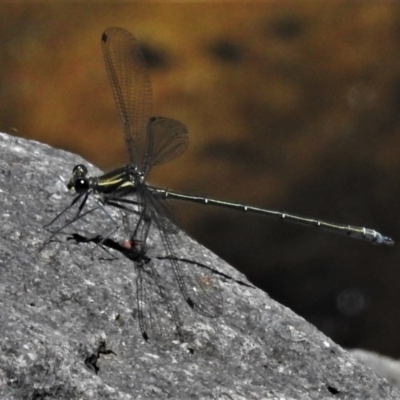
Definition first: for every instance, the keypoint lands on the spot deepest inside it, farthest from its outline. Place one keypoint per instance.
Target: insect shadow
(157, 314)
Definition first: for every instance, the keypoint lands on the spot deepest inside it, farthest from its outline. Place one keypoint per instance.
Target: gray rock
(61, 302)
(385, 367)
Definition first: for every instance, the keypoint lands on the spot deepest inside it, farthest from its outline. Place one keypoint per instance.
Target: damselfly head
(79, 182)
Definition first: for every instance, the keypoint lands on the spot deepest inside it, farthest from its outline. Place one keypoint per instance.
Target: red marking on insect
(130, 244)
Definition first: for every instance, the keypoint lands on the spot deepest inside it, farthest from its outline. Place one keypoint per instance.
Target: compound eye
(81, 185)
(79, 170)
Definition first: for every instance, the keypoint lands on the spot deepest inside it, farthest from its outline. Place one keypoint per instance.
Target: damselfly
(153, 141)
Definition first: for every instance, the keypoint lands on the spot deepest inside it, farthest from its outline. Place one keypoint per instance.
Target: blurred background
(293, 106)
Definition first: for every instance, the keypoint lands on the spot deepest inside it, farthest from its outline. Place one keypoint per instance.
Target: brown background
(291, 106)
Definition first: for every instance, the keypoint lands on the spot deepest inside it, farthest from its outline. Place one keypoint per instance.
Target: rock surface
(385, 367)
(69, 326)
